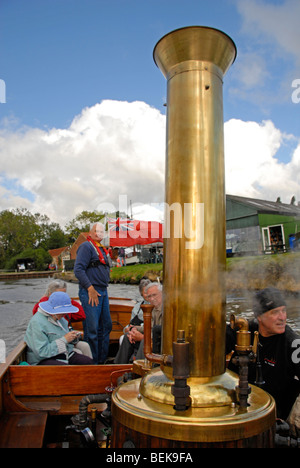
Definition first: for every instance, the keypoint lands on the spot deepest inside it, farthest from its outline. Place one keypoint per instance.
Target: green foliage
(40, 257)
(132, 274)
(81, 223)
(20, 230)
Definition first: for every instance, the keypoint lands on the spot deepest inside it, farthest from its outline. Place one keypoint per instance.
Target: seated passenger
(48, 338)
(59, 285)
(136, 319)
(135, 338)
(279, 350)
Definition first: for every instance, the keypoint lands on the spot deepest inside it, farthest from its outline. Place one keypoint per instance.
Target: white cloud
(258, 75)
(118, 148)
(279, 24)
(252, 168)
(109, 149)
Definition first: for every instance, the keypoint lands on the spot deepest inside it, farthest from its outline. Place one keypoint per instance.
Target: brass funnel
(194, 61)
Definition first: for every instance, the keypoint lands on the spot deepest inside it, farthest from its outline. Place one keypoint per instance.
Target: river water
(18, 297)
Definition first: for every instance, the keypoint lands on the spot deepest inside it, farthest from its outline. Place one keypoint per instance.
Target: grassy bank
(132, 274)
(281, 271)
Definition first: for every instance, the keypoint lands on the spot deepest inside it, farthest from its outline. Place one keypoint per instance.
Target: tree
(40, 257)
(19, 230)
(81, 223)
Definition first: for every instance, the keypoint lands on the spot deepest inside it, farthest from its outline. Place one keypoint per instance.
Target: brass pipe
(161, 359)
(194, 60)
(238, 323)
(180, 390)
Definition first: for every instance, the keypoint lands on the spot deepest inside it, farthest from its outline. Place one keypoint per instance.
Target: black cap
(267, 299)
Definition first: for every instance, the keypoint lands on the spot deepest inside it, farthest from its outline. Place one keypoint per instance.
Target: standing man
(92, 269)
(279, 350)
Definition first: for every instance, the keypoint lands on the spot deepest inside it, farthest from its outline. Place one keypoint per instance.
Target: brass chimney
(194, 61)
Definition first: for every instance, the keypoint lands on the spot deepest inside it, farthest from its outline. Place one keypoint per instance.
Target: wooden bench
(22, 430)
(59, 389)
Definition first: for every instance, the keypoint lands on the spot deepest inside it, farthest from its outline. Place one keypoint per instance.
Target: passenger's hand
(135, 335)
(71, 336)
(93, 296)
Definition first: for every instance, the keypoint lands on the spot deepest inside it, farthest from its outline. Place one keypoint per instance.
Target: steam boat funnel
(191, 400)
(194, 61)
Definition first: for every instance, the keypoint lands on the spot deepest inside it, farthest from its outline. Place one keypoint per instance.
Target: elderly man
(92, 269)
(279, 350)
(134, 339)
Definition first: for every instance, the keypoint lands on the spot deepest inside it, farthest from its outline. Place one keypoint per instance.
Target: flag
(118, 227)
(129, 232)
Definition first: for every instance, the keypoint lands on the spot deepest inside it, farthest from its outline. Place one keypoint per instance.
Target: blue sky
(68, 64)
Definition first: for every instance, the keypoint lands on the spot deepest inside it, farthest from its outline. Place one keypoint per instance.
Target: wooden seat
(22, 430)
(59, 389)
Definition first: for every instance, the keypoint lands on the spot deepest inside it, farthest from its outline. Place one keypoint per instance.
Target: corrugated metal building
(258, 226)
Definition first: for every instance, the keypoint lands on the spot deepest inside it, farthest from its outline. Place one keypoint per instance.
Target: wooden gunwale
(54, 390)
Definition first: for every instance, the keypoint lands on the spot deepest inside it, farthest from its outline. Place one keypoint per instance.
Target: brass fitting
(243, 335)
(161, 359)
(180, 390)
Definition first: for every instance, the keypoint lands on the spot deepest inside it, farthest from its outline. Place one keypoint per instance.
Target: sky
(82, 115)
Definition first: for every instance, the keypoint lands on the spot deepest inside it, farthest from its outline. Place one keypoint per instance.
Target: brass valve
(246, 353)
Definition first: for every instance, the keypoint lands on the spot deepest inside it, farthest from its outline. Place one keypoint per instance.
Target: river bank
(281, 271)
(242, 273)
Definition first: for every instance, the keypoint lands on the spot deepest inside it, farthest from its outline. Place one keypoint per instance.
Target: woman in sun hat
(47, 336)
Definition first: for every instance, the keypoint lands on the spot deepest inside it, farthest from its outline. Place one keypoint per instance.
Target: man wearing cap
(92, 269)
(48, 338)
(279, 350)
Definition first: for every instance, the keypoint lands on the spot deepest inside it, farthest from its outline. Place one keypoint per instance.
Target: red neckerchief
(98, 250)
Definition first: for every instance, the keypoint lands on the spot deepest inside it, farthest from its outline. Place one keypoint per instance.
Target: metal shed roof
(264, 206)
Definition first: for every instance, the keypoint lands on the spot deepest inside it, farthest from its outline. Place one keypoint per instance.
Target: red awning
(129, 232)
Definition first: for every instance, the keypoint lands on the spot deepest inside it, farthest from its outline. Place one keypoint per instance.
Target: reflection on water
(17, 299)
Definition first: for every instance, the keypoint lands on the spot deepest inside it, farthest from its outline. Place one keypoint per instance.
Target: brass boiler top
(194, 61)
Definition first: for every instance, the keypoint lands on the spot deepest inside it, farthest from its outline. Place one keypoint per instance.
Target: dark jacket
(280, 365)
(88, 270)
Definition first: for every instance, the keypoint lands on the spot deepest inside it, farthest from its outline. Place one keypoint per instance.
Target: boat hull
(32, 398)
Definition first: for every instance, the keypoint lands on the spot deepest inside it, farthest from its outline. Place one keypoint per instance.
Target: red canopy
(129, 232)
